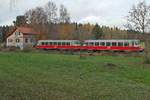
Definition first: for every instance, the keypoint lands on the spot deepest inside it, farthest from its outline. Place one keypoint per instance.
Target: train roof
(58, 40)
(102, 40)
(113, 40)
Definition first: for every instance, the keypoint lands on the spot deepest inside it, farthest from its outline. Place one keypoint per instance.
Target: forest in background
(54, 23)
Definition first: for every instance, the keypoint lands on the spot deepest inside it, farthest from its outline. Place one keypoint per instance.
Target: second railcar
(113, 45)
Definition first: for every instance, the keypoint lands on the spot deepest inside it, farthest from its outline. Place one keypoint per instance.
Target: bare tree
(29, 16)
(36, 16)
(139, 18)
(37, 19)
(51, 11)
(64, 15)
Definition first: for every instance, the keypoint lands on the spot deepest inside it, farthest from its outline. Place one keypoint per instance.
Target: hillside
(40, 76)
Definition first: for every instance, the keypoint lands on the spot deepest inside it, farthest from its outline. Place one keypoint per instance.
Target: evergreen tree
(97, 32)
(20, 21)
(3, 33)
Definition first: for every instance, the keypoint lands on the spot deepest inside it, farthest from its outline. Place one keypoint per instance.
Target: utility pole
(12, 5)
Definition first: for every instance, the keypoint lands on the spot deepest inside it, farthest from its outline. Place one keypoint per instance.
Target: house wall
(23, 40)
(11, 40)
(29, 40)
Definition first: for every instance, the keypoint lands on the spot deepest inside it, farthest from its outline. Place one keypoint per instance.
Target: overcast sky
(104, 12)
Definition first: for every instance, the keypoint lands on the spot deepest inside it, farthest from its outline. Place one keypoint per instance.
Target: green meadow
(41, 76)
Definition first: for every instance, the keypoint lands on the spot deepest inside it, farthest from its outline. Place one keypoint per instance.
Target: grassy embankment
(39, 76)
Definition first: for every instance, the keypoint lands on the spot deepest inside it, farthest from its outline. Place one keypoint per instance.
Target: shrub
(147, 57)
(12, 48)
(28, 49)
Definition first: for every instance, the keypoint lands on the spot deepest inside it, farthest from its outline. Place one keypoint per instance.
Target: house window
(17, 33)
(10, 40)
(17, 40)
(31, 40)
(26, 40)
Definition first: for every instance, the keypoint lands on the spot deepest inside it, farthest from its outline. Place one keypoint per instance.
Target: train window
(114, 44)
(77, 42)
(72, 43)
(68, 43)
(43, 43)
(86, 43)
(59, 43)
(63, 43)
(126, 44)
(46, 43)
(102, 43)
(120, 43)
(108, 44)
(132, 43)
(54, 43)
(50, 43)
(97, 44)
(136, 43)
(91, 43)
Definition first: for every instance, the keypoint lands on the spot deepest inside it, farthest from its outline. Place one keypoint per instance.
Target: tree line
(54, 23)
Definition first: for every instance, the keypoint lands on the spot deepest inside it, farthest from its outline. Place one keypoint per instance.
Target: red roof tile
(25, 30)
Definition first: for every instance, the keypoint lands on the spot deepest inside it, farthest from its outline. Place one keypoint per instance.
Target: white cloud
(8, 22)
(103, 21)
(108, 12)
(92, 19)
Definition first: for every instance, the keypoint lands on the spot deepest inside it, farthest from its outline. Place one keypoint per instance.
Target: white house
(22, 37)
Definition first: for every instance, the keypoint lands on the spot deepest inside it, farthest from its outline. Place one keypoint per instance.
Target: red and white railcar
(58, 44)
(113, 45)
(93, 45)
